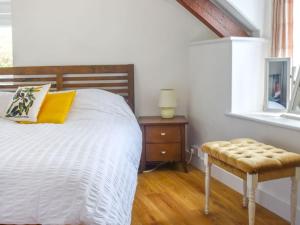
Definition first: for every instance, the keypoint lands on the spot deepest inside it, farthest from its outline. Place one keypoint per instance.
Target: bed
(81, 172)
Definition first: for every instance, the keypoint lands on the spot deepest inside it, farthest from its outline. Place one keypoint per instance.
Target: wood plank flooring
(172, 197)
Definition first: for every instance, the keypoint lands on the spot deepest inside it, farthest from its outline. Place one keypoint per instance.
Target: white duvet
(84, 171)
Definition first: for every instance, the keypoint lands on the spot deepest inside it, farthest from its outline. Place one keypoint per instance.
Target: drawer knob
(163, 134)
(163, 152)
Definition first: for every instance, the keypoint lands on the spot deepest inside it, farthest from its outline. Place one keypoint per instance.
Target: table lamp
(167, 103)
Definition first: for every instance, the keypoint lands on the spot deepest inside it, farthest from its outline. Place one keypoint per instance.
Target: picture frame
(277, 84)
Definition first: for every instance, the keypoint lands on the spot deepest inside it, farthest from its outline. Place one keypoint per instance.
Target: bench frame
(250, 183)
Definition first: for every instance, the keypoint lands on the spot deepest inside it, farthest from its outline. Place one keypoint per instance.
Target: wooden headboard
(118, 79)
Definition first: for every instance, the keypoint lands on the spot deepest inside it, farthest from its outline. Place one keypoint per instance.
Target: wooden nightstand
(163, 140)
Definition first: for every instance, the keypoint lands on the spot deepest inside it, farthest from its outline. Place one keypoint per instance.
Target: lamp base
(167, 113)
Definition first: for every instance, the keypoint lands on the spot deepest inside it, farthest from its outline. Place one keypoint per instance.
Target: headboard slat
(38, 70)
(36, 79)
(119, 78)
(100, 85)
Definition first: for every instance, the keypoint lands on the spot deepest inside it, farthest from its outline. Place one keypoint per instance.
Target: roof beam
(215, 18)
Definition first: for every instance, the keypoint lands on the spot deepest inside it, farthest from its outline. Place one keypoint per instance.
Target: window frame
(296, 89)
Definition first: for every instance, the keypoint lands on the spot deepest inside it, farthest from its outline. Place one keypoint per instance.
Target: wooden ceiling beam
(216, 19)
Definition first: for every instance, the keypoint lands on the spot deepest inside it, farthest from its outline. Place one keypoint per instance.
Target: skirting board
(265, 199)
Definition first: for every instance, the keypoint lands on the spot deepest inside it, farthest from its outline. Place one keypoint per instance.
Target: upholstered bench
(253, 162)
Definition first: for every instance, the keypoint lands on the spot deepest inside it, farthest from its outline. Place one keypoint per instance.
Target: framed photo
(277, 84)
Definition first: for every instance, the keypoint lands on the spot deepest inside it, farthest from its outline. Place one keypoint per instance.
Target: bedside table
(163, 140)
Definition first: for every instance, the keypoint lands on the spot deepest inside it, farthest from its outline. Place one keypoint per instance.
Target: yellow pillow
(56, 107)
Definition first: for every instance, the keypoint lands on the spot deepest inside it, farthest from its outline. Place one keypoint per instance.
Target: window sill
(273, 119)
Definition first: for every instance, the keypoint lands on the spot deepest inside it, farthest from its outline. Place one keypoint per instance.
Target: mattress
(81, 172)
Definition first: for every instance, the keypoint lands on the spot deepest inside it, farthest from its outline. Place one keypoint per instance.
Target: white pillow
(96, 98)
(90, 102)
(26, 103)
(5, 99)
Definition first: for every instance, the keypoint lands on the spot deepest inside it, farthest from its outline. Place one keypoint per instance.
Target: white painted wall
(211, 68)
(247, 77)
(154, 35)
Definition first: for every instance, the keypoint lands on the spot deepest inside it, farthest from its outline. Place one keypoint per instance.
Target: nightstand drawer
(163, 152)
(162, 134)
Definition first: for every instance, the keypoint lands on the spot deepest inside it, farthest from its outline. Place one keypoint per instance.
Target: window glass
(5, 34)
(5, 46)
(296, 60)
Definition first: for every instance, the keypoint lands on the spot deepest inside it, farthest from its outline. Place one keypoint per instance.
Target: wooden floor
(172, 197)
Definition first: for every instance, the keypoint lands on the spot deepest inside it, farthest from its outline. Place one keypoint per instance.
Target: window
(5, 34)
(295, 101)
(296, 33)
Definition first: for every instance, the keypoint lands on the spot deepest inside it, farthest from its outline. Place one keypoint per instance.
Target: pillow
(98, 99)
(90, 103)
(26, 103)
(56, 107)
(5, 99)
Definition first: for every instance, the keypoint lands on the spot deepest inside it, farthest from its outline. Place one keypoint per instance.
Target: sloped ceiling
(217, 19)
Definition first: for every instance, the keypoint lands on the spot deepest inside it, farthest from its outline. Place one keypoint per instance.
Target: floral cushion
(26, 103)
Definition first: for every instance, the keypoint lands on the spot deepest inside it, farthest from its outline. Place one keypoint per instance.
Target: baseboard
(267, 200)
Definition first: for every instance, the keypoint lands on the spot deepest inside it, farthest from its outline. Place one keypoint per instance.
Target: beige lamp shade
(167, 103)
(167, 98)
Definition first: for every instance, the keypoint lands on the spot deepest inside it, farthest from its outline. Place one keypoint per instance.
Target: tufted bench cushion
(251, 156)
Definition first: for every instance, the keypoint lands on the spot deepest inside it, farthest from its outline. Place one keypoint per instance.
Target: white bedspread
(83, 171)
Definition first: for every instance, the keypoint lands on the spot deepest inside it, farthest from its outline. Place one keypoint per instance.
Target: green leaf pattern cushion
(26, 103)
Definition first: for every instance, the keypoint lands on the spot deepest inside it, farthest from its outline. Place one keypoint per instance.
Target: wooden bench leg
(252, 180)
(207, 183)
(294, 190)
(245, 198)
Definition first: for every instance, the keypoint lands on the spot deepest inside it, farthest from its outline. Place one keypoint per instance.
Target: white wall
(153, 35)
(247, 75)
(211, 66)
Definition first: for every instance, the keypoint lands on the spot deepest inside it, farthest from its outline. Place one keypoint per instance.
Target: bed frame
(118, 79)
